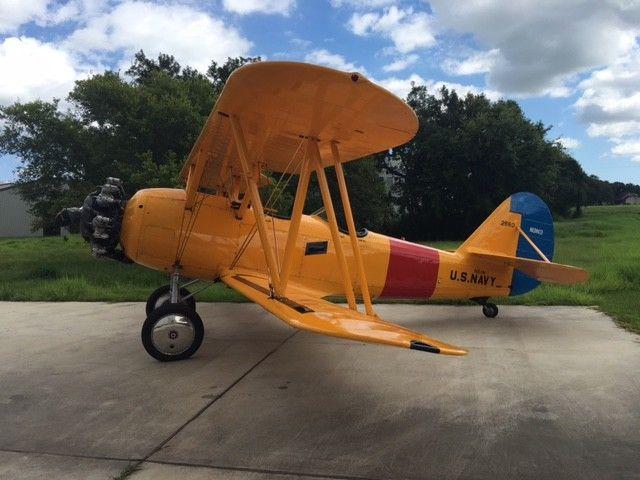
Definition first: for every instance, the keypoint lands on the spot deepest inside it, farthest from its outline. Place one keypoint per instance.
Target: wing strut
(296, 216)
(193, 179)
(333, 224)
(251, 182)
(346, 205)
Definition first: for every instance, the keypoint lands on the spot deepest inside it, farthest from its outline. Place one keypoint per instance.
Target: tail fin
(500, 234)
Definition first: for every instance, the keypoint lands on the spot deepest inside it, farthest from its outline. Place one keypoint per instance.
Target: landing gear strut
(162, 296)
(173, 330)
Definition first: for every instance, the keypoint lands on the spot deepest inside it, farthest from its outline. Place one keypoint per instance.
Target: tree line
(469, 154)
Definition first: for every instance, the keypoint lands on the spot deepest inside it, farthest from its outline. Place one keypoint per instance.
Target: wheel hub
(173, 334)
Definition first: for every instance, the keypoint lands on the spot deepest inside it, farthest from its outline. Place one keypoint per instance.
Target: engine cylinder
(100, 219)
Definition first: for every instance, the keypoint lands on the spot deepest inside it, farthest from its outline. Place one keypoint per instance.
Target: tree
(219, 74)
(143, 67)
(56, 165)
(140, 129)
(468, 156)
(369, 197)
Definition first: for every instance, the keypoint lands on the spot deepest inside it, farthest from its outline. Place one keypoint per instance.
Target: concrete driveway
(545, 392)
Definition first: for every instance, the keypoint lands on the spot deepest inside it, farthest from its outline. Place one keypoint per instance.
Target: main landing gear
(490, 310)
(173, 330)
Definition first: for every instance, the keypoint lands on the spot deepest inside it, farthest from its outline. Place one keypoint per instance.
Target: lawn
(55, 269)
(605, 241)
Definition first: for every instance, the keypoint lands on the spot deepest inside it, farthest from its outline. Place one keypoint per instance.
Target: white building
(630, 199)
(15, 219)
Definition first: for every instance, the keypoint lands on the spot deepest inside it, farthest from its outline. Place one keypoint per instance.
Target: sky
(574, 65)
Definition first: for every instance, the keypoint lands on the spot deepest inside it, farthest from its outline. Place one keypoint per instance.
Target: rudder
(537, 222)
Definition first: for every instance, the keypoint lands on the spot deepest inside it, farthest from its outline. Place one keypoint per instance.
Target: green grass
(52, 269)
(605, 241)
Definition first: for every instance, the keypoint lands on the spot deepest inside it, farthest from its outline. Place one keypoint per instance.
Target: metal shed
(15, 219)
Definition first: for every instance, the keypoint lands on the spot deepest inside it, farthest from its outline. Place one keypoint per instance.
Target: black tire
(490, 310)
(164, 291)
(159, 346)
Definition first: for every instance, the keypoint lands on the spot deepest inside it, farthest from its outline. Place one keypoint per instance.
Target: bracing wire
(184, 235)
(275, 195)
(184, 239)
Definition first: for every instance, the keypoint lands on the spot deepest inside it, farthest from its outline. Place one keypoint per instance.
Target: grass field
(605, 241)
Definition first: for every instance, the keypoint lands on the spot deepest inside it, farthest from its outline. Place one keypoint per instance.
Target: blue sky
(573, 64)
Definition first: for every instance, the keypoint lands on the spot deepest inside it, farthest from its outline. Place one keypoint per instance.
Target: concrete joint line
(261, 470)
(69, 455)
(218, 397)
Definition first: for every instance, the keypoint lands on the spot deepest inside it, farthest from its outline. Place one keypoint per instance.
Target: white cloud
(14, 13)
(543, 45)
(332, 60)
(402, 86)
(300, 42)
(192, 36)
(569, 142)
(244, 7)
(612, 94)
(479, 62)
(33, 70)
(613, 129)
(401, 63)
(72, 10)
(362, 4)
(361, 23)
(610, 104)
(408, 30)
(628, 148)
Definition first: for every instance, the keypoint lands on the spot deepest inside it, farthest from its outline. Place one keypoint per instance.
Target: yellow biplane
(299, 119)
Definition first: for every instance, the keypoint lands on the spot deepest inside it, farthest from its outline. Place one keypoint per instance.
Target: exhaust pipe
(100, 219)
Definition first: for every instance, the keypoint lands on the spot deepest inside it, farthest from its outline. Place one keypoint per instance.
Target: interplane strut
(333, 224)
(254, 195)
(351, 226)
(296, 217)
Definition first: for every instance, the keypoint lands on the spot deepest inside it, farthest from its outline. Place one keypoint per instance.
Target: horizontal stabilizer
(304, 309)
(540, 270)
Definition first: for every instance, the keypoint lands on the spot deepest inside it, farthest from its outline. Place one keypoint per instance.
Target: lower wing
(305, 309)
(540, 270)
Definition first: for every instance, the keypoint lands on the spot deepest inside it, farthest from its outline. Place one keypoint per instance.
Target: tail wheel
(172, 332)
(490, 310)
(162, 296)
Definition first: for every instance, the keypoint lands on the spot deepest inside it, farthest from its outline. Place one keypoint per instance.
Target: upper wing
(279, 104)
(304, 309)
(537, 269)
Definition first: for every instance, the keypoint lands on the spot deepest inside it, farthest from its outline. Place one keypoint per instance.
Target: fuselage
(155, 226)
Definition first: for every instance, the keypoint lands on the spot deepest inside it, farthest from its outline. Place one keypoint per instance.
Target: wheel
(162, 295)
(490, 310)
(172, 332)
